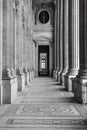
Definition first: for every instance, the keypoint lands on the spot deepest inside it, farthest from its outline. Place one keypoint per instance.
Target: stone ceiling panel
(42, 1)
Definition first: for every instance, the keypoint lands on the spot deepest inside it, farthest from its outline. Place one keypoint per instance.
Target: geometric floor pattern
(44, 105)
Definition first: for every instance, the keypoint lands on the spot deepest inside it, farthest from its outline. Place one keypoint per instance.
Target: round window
(44, 16)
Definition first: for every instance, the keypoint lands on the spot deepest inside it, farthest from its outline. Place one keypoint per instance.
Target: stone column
(58, 35)
(66, 40)
(19, 46)
(61, 40)
(30, 42)
(55, 40)
(73, 43)
(9, 80)
(80, 83)
(25, 40)
(1, 41)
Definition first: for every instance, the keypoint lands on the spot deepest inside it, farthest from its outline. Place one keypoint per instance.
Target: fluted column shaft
(20, 36)
(6, 39)
(80, 83)
(66, 40)
(1, 41)
(17, 37)
(61, 40)
(57, 40)
(73, 43)
(57, 48)
(19, 46)
(9, 80)
(12, 40)
(25, 38)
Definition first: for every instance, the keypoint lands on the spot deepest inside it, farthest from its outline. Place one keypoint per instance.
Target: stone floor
(44, 105)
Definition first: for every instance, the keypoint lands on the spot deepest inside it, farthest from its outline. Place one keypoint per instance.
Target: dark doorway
(43, 60)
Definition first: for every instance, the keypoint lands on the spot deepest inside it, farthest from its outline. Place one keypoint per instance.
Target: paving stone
(44, 105)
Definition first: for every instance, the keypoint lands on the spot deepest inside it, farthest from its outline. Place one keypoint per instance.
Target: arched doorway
(43, 60)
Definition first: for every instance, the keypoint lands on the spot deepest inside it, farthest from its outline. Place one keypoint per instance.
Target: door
(43, 66)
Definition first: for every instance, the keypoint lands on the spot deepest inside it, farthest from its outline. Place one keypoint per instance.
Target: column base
(69, 77)
(55, 72)
(26, 72)
(62, 76)
(21, 82)
(68, 82)
(21, 79)
(9, 90)
(27, 78)
(80, 90)
(59, 76)
(31, 75)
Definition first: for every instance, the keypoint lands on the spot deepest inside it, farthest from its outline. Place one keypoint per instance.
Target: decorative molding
(43, 30)
(35, 43)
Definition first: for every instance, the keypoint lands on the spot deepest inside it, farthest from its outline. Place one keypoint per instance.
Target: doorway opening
(43, 60)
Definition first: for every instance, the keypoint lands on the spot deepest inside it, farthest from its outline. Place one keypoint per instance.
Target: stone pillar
(1, 41)
(73, 43)
(55, 40)
(25, 41)
(61, 40)
(80, 83)
(58, 35)
(19, 46)
(30, 42)
(66, 40)
(9, 80)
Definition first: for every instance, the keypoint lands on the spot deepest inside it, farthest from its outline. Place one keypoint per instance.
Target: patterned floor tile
(44, 105)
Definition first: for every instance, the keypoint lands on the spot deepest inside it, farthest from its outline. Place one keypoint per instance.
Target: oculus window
(44, 17)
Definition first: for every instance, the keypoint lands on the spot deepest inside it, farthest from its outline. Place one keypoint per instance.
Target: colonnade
(16, 48)
(71, 69)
